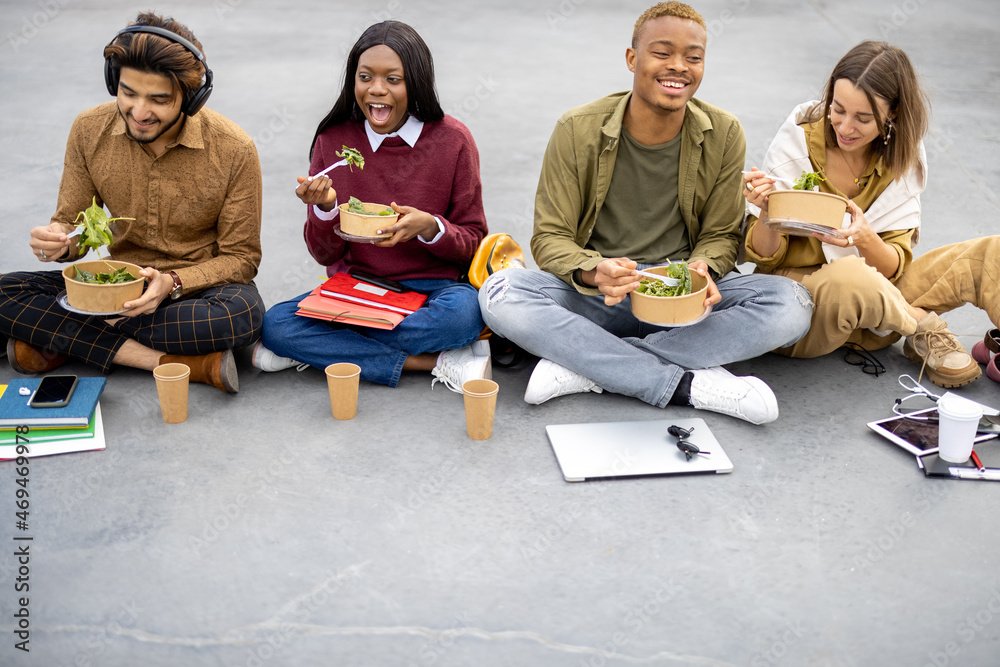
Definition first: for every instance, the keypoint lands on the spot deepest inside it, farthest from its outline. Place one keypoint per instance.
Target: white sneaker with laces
(269, 362)
(456, 367)
(549, 380)
(748, 398)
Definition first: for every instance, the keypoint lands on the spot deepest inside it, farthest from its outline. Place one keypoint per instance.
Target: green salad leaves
(678, 270)
(807, 181)
(110, 278)
(355, 205)
(353, 157)
(95, 232)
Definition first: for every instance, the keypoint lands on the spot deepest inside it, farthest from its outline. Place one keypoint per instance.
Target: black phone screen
(378, 281)
(53, 391)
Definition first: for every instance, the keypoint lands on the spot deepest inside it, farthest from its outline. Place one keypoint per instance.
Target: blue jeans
(606, 344)
(449, 320)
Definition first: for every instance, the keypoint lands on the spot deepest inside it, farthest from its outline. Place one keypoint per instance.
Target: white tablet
(917, 432)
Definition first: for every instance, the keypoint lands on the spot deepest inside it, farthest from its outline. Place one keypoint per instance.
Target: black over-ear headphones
(195, 99)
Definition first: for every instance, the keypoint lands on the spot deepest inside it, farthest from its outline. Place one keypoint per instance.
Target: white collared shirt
(410, 133)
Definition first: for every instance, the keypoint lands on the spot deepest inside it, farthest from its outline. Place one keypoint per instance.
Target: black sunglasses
(856, 355)
(683, 444)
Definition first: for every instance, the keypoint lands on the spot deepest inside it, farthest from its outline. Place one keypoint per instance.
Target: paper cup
(342, 381)
(958, 419)
(480, 405)
(172, 388)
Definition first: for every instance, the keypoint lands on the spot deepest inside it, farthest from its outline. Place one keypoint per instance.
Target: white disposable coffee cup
(958, 419)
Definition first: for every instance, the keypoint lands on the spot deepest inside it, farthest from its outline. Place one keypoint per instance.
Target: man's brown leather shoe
(27, 359)
(217, 369)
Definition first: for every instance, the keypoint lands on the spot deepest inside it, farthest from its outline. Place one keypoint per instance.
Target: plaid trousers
(218, 318)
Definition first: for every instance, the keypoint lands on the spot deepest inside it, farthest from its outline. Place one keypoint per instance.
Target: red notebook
(344, 287)
(334, 310)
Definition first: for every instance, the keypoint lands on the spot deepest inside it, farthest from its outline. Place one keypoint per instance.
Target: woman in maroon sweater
(426, 164)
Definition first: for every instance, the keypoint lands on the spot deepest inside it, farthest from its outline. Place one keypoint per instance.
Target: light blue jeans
(550, 319)
(447, 321)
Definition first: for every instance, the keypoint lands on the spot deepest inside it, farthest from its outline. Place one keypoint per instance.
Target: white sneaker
(269, 362)
(549, 380)
(456, 367)
(747, 398)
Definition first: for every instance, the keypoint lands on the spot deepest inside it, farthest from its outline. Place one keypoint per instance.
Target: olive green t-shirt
(641, 216)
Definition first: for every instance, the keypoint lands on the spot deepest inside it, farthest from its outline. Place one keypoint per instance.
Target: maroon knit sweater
(440, 175)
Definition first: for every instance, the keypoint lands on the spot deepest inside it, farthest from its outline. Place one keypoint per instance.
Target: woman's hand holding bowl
(859, 233)
(410, 224)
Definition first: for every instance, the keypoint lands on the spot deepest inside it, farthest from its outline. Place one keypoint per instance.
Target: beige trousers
(853, 300)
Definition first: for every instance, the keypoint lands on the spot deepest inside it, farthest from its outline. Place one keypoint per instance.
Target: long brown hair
(883, 71)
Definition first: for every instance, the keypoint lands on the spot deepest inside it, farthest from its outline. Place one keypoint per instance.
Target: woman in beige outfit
(865, 140)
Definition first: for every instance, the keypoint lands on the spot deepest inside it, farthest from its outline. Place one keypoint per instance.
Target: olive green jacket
(576, 175)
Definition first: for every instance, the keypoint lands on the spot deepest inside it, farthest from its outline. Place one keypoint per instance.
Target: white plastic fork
(790, 183)
(328, 169)
(673, 282)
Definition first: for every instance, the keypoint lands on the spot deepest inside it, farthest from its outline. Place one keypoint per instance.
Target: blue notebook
(15, 411)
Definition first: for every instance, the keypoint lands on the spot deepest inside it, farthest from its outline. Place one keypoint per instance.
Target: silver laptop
(629, 449)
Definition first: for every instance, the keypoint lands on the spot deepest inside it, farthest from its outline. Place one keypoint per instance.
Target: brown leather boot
(217, 369)
(27, 359)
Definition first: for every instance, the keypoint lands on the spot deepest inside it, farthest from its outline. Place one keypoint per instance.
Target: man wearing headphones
(191, 180)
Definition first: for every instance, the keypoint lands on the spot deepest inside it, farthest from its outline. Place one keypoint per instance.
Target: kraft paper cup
(480, 404)
(172, 388)
(342, 381)
(958, 419)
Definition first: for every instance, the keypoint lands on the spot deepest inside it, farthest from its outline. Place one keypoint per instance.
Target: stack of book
(353, 301)
(75, 427)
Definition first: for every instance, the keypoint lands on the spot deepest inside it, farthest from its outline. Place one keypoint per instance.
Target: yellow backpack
(497, 251)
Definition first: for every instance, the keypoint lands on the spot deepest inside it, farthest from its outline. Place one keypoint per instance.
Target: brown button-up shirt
(197, 207)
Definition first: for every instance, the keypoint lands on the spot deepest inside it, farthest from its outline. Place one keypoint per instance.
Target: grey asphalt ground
(262, 532)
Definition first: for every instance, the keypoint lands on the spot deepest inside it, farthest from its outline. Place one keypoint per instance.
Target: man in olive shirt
(632, 180)
(191, 180)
